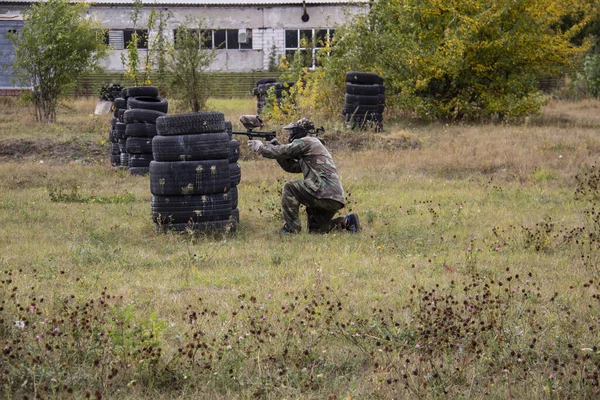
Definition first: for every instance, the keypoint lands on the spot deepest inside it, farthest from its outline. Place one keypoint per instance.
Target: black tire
(120, 102)
(114, 149)
(140, 115)
(362, 100)
(189, 177)
(115, 160)
(124, 159)
(375, 117)
(192, 123)
(139, 145)
(234, 150)
(151, 91)
(265, 80)
(208, 146)
(138, 170)
(233, 193)
(112, 136)
(235, 173)
(118, 113)
(113, 122)
(140, 160)
(235, 215)
(350, 109)
(363, 90)
(192, 215)
(140, 129)
(225, 226)
(125, 93)
(216, 200)
(148, 103)
(229, 128)
(363, 77)
(381, 98)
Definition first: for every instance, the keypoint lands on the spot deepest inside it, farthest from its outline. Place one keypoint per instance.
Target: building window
(231, 39)
(306, 41)
(119, 38)
(142, 35)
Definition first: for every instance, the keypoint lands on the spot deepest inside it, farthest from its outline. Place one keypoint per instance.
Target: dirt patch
(35, 149)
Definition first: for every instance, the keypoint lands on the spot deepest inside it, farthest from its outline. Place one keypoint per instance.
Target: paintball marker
(251, 122)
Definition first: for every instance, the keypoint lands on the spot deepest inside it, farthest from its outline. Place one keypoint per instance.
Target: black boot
(352, 223)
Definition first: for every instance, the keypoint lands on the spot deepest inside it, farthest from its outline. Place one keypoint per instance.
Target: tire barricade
(193, 175)
(364, 101)
(133, 126)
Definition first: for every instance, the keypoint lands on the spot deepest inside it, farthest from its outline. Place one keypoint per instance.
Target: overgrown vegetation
(187, 62)
(475, 276)
(57, 45)
(464, 60)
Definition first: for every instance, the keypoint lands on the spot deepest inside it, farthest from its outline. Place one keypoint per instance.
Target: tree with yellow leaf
(457, 59)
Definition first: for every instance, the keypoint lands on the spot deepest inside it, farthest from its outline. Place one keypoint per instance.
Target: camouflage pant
(320, 211)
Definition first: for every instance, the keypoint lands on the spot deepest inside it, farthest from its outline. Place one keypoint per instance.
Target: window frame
(224, 44)
(290, 50)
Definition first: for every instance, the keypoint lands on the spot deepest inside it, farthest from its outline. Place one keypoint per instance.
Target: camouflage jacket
(309, 156)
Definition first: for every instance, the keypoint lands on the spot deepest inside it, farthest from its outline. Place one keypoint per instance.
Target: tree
(462, 59)
(57, 45)
(187, 63)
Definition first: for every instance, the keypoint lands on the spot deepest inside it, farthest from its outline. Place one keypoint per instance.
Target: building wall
(267, 24)
(7, 51)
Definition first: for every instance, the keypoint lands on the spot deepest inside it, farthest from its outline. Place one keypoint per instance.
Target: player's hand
(274, 142)
(255, 145)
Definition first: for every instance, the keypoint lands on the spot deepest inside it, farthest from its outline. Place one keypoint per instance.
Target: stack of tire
(235, 171)
(116, 136)
(190, 177)
(144, 106)
(261, 91)
(364, 101)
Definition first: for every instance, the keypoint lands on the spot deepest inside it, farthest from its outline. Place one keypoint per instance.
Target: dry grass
(443, 208)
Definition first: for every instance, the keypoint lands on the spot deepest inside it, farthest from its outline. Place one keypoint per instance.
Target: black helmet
(300, 128)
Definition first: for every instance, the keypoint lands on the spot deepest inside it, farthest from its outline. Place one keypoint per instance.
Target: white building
(245, 33)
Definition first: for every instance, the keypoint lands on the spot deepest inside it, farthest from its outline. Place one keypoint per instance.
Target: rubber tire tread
(191, 123)
(363, 90)
(120, 102)
(140, 160)
(363, 77)
(208, 146)
(234, 151)
(141, 115)
(194, 214)
(224, 226)
(135, 91)
(140, 129)
(148, 103)
(362, 99)
(189, 177)
(138, 145)
(233, 193)
(350, 109)
(235, 173)
(204, 201)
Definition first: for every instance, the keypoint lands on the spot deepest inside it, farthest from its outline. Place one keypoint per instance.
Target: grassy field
(476, 273)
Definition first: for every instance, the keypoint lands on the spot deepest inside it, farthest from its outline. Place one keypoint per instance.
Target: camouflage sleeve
(289, 165)
(285, 151)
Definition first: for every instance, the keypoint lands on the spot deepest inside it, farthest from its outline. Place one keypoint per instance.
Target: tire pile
(364, 101)
(262, 88)
(134, 126)
(194, 175)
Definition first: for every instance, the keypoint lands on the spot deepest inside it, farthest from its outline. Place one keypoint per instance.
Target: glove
(274, 142)
(255, 145)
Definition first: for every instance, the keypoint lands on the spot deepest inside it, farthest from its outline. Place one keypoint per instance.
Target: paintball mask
(300, 128)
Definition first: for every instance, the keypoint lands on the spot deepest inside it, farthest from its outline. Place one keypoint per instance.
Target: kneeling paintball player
(321, 189)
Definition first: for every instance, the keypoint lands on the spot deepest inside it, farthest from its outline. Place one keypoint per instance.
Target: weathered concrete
(267, 25)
